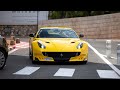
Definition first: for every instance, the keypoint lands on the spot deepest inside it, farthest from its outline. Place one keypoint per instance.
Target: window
(57, 33)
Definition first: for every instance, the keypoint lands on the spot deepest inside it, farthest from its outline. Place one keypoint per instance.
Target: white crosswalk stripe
(67, 72)
(27, 70)
(107, 74)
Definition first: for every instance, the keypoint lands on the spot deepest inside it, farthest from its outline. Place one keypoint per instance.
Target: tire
(34, 62)
(84, 62)
(2, 59)
(30, 55)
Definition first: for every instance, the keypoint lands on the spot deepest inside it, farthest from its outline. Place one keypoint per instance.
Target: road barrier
(108, 48)
(118, 54)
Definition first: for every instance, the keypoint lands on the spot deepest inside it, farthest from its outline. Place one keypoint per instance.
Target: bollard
(13, 38)
(17, 40)
(12, 42)
(118, 54)
(108, 48)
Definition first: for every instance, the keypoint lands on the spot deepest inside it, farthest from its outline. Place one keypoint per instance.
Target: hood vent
(72, 42)
(47, 42)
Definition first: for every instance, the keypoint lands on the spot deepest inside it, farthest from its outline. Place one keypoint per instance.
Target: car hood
(60, 43)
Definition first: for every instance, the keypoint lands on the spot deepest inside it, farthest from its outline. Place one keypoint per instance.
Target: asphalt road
(19, 66)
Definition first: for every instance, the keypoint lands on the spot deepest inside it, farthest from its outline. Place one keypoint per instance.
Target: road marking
(107, 74)
(104, 55)
(105, 60)
(26, 55)
(25, 47)
(26, 70)
(109, 57)
(67, 72)
(113, 58)
(12, 51)
(19, 46)
(22, 45)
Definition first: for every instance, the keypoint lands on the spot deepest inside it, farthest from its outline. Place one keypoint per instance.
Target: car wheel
(30, 55)
(84, 62)
(34, 62)
(2, 59)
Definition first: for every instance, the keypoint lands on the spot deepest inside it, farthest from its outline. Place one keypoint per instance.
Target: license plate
(47, 58)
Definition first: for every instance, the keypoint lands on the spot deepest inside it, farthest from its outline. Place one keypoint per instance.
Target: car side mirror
(31, 35)
(81, 36)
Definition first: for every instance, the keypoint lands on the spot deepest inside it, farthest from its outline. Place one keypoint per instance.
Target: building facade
(22, 17)
(20, 23)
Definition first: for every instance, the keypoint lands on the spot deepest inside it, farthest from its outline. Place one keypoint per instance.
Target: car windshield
(57, 33)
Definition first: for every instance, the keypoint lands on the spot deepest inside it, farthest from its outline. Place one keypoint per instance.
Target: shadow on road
(59, 63)
(26, 60)
(23, 60)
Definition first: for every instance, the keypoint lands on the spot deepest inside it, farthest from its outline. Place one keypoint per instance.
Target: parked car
(3, 52)
(57, 44)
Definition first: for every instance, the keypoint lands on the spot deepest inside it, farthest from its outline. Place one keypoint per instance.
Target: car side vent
(47, 42)
(72, 42)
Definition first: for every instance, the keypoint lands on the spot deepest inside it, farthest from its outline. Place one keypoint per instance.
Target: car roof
(55, 28)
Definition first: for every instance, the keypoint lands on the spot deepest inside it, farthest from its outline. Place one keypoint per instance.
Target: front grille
(61, 56)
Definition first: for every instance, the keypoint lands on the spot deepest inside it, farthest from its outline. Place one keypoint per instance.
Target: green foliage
(71, 14)
(96, 13)
(55, 15)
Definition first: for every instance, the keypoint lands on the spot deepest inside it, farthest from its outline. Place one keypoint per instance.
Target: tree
(55, 15)
(97, 13)
(71, 14)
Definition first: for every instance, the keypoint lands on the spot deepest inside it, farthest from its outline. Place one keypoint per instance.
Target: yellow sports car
(56, 44)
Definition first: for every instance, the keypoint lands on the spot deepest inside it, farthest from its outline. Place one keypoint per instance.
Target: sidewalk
(23, 44)
(10, 47)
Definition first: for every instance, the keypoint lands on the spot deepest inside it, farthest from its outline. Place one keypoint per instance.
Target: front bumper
(60, 56)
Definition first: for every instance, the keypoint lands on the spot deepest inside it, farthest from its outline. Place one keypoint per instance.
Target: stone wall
(17, 30)
(93, 27)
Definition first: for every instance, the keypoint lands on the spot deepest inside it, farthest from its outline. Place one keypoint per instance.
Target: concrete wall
(93, 27)
(22, 17)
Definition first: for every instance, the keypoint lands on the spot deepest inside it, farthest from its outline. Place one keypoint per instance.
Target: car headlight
(80, 45)
(41, 45)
